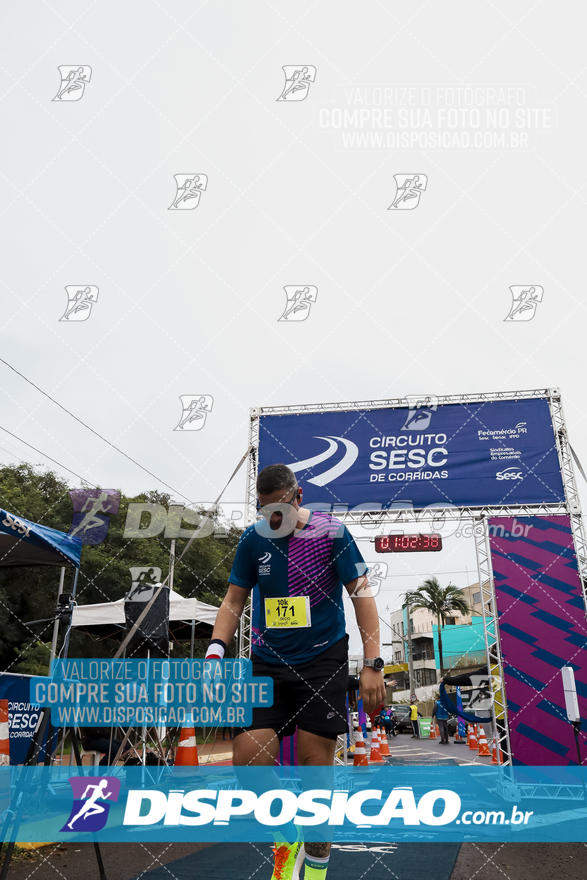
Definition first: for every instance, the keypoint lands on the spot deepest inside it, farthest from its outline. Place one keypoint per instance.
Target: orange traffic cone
(483, 745)
(360, 759)
(497, 754)
(383, 746)
(473, 740)
(4, 735)
(186, 754)
(432, 734)
(375, 755)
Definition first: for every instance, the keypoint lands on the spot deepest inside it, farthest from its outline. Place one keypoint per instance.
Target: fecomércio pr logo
(92, 797)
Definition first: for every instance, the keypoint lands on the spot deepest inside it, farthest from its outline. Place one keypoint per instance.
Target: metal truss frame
(244, 633)
(499, 720)
(370, 516)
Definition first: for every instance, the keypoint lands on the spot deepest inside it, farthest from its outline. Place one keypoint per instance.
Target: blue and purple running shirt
(316, 562)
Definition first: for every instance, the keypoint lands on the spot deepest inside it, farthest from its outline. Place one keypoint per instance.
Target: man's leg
(255, 748)
(317, 751)
(260, 748)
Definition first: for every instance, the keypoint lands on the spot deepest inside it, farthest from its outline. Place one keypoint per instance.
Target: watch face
(378, 663)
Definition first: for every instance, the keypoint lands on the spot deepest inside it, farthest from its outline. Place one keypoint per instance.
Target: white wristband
(216, 650)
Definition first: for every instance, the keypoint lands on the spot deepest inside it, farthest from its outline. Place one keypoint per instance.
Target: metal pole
(171, 563)
(65, 648)
(192, 639)
(410, 654)
(56, 624)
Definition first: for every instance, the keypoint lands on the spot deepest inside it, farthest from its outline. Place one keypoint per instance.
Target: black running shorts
(310, 696)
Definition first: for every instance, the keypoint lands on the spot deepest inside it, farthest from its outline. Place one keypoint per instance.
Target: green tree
(439, 601)
(36, 660)
(30, 593)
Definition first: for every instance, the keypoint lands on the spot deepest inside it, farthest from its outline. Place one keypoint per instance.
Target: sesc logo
(511, 473)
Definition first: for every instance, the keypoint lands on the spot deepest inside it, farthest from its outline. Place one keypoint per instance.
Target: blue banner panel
(473, 454)
(23, 715)
(233, 804)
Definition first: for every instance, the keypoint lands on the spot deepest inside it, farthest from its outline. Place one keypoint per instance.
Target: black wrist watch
(376, 663)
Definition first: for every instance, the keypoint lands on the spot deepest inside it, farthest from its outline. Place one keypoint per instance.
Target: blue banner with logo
(469, 454)
(23, 715)
(461, 726)
(448, 803)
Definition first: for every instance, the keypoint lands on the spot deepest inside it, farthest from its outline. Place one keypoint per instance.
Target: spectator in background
(441, 715)
(414, 717)
(99, 739)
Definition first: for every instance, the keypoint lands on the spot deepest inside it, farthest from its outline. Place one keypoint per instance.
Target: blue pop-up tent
(27, 543)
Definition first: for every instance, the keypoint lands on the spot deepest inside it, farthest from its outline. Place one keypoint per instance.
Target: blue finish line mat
(239, 861)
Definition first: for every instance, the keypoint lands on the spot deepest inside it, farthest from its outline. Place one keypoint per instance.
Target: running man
(91, 808)
(304, 557)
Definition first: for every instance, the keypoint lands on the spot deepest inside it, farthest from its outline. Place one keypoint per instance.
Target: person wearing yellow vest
(414, 717)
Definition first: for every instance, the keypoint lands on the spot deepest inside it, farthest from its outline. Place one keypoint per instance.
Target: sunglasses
(267, 510)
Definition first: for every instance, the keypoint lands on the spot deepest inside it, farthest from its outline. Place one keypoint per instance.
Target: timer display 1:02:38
(407, 543)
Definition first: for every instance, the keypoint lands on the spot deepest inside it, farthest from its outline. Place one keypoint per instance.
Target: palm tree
(439, 601)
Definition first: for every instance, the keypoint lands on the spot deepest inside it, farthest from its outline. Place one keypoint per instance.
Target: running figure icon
(79, 302)
(73, 82)
(297, 82)
(189, 188)
(91, 808)
(524, 302)
(299, 302)
(409, 189)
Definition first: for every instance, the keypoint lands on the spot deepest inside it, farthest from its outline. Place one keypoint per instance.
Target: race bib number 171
(287, 613)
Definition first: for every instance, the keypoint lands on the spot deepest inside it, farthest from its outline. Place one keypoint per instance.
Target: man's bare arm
(229, 613)
(372, 686)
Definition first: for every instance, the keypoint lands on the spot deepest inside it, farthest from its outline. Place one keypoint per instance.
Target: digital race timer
(407, 543)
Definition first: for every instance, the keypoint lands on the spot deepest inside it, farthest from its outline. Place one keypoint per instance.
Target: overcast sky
(189, 300)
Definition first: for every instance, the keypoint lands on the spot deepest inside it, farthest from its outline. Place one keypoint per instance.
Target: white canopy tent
(107, 620)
